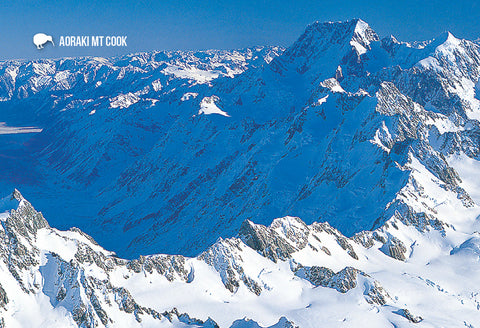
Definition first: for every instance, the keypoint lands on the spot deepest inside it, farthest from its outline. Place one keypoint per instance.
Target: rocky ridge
(96, 288)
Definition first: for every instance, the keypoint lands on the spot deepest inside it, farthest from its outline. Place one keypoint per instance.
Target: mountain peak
(355, 31)
(445, 37)
(445, 41)
(364, 31)
(17, 195)
(323, 44)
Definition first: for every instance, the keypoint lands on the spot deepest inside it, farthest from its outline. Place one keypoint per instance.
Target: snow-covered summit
(321, 35)
(324, 46)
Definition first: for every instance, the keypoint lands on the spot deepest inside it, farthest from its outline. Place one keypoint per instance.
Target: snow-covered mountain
(165, 152)
(288, 274)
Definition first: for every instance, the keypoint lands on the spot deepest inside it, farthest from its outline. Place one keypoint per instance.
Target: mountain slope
(332, 129)
(306, 273)
(320, 143)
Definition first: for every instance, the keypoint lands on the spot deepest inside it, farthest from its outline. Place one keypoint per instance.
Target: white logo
(40, 39)
(93, 41)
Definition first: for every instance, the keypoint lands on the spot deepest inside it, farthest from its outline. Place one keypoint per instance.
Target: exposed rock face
(288, 235)
(266, 241)
(225, 258)
(3, 297)
(345, 280)
(282, 238)
(395, 248)
(21, 225)
(318, 276)
(170, 266)
(410, 317)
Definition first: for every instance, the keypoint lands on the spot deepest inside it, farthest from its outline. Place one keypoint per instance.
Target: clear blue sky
(206, 24)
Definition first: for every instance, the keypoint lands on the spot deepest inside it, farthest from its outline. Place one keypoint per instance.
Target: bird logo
(40, 39)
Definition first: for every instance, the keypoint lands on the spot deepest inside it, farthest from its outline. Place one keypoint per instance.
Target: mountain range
(332, 183)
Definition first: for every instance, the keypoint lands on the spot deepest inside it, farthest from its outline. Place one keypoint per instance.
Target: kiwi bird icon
(40, 39)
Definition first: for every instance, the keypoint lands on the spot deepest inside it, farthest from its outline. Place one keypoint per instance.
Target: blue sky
(206, 24)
